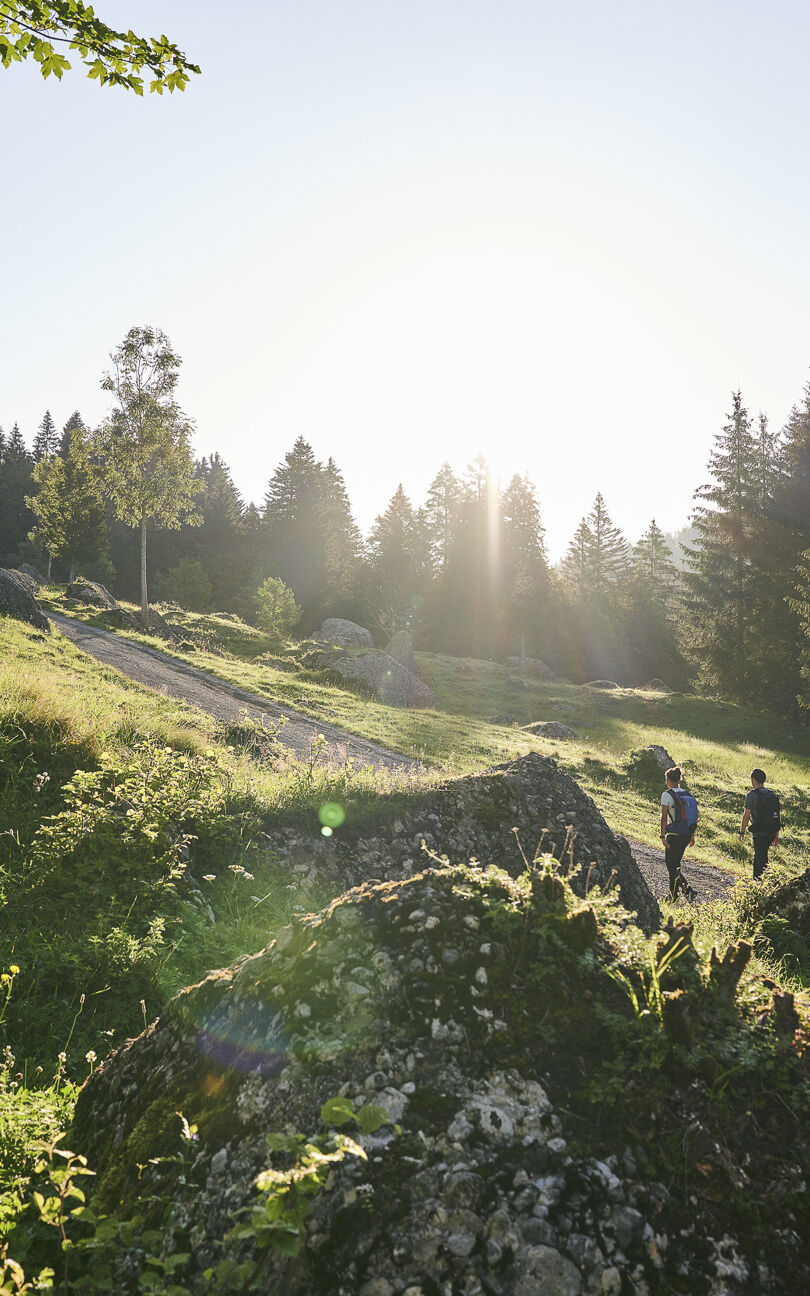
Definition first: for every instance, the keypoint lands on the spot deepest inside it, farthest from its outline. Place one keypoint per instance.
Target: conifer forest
(725, 604)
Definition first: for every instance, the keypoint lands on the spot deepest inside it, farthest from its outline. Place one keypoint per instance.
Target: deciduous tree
(144, 443)
(46, 30)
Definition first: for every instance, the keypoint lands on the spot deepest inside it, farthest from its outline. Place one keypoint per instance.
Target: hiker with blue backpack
(679, 816)
(763, 809)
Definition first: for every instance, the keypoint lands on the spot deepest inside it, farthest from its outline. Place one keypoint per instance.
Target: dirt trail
(709, 883)
(225, 701)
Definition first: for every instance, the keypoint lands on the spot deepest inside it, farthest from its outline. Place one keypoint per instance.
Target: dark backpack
(766, 811)
(686, 812)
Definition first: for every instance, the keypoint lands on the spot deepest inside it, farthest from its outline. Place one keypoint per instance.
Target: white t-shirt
(668, 800)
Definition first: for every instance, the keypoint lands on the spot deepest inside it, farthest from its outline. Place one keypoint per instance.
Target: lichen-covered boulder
(345, 634)
(661, 757)
(530, 666)
(17, 600)
(603, 684)
(477, 1020)
(495, 817)
(93, 594)
(32, 573)
(551, 729)
(402, 996)
(401, 649)
(380, 674)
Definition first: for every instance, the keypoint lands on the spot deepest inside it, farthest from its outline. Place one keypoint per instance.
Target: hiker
(762, 808)
(679, 816)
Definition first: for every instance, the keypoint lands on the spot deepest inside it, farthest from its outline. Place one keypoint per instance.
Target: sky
(558, 234)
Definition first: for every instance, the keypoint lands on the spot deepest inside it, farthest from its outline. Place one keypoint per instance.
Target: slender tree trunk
(72, 573)
(50, 560)
(144, 593)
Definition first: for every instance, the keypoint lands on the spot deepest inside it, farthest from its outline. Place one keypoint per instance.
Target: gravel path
(710, 883)
(225, 701)
(228, 703)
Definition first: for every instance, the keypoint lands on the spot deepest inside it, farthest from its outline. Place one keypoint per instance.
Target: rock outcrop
(401, 649)
(393, 683)
(345, 634)
(661, 757)
(530, 666)
(32, 573)
(17, 599)
(466, 1013)
(551, 729)
(475, 818)
(92, 594)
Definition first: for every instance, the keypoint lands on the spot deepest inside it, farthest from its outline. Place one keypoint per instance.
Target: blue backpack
(686, 812)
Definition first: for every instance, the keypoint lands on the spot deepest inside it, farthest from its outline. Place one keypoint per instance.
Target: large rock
(17, 600)
(530, 666)
(32, 572)
(92, 594)
(477, 1014)
(475, 818)
(551, 729)
(401, 649)
(380, 674)
(398, 996)
(661, 757)
(345, 634)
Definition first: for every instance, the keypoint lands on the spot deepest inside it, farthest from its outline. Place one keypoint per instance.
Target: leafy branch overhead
(37, 28)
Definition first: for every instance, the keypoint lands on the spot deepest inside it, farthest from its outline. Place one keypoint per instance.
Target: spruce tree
(74, 422)
(15, 485)
(398, 563)
(441, 514)
(46, 441)
(524, 573)
(721, 592)
(294, 546)
(468, 609)
(343, 542)
(69, 508)
(775, 634)
(576, 563)
(608, 559)
(216, 542)
(653, 565)
(792, 493)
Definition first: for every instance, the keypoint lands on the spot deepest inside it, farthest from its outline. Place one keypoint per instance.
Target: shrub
(276, 608)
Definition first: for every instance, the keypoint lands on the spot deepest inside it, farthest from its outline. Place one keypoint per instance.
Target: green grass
(92, 943)
(716, 743)
(60, 712)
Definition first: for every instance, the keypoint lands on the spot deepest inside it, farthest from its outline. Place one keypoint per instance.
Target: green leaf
(337, 1111)
(284, 1142)
(370, 1119)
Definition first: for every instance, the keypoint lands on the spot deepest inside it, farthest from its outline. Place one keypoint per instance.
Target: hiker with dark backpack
(763, 809)
(679, 816)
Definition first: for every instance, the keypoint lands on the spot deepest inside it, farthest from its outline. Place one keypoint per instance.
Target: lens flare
(332, 815)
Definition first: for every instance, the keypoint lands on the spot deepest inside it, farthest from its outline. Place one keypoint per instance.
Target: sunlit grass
(717, 743)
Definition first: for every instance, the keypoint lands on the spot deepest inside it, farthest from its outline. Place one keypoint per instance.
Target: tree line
(466, 569)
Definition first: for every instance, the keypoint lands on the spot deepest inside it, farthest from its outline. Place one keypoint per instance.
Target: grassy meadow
(716, 743)
(133, 854)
